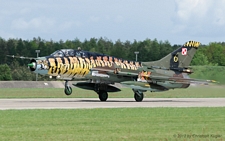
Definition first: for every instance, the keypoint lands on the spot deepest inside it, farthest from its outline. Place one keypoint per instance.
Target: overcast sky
(177, 21)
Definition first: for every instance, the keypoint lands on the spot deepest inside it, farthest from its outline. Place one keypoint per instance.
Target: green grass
(192, 92)
(113, 124)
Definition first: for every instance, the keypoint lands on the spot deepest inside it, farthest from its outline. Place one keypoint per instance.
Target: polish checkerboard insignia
(184, 51)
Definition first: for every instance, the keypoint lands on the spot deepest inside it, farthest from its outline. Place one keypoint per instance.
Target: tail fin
(178, 59)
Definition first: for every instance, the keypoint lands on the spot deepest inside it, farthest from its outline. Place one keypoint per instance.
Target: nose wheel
(68, 89)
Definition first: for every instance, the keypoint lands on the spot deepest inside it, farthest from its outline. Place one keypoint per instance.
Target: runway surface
(75, 103)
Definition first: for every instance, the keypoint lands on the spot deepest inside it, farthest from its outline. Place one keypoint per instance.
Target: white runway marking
(76, 103)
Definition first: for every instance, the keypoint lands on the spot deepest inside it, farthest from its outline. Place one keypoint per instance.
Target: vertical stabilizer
(180, 58)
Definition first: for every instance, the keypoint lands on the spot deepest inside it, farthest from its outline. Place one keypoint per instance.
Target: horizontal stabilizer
(177, 79)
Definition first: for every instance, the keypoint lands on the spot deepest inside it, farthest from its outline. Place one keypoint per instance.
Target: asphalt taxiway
(82, 103)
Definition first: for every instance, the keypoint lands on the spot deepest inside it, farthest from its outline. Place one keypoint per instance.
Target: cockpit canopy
(64, 53)
(72, 53)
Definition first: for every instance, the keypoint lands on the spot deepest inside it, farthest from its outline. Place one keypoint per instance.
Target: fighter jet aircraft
(102, 71)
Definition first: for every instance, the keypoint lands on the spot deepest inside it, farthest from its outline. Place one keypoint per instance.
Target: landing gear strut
(138, 95)
(68, 89)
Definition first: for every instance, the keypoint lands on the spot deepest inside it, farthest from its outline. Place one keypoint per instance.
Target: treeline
(149, 50)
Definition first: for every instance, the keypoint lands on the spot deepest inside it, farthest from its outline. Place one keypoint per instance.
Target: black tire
(68, 90)
(103, 95)
(138, 96)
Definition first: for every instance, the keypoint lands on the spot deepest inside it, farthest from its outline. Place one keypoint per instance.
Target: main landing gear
(138, 95)
(68, 89)
(103, 95)
(101, 90)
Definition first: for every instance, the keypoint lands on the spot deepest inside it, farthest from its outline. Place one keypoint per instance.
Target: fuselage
(69, 64)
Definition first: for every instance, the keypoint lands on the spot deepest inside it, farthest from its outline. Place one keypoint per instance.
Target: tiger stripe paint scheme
(80, 67)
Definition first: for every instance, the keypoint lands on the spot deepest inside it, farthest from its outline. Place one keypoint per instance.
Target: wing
(115, 71)
(150, 77)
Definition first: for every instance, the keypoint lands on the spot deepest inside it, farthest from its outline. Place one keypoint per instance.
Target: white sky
(177, 21)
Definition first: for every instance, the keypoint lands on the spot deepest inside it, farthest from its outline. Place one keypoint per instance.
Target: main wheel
(103, 95)
(138, 96)
(68, 90)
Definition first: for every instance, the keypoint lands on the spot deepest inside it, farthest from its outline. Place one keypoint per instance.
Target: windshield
(57, 53)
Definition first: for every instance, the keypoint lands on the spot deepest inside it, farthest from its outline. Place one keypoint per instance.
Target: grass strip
(113, 124)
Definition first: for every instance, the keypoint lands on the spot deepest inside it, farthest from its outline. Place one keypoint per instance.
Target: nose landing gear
(68, 89)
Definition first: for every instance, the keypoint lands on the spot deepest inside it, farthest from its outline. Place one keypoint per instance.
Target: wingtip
(212, 81)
